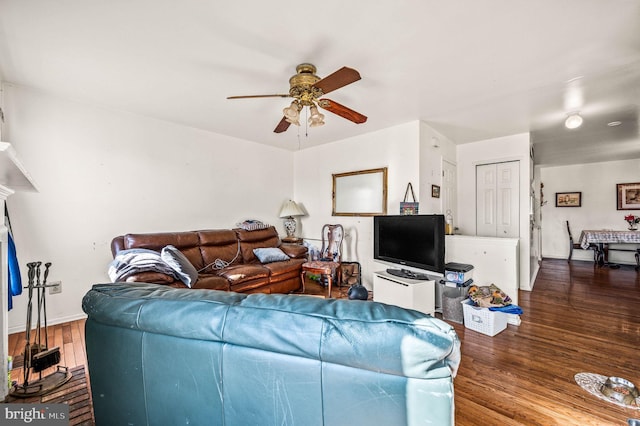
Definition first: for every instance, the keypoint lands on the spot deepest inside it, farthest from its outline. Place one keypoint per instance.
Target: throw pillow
(184, 270)
(270, 254)
(252, 225)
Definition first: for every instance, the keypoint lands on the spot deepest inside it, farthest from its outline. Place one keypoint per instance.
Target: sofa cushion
(250, 240)
(219, 246)
(184, 270)
(207, 282)
(290, 267)
(270, 254)
(240, 273)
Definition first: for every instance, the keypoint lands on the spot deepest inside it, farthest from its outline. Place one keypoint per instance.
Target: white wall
(102, 173)
(395, 148)
(431, 158)
(597, 182)
(405, 150)
(470, 155)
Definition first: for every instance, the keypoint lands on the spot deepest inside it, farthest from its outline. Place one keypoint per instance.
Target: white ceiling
(472, 69)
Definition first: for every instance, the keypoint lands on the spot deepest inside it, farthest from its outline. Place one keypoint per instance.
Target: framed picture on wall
(568, 199)
(435, 191)
(628, 195)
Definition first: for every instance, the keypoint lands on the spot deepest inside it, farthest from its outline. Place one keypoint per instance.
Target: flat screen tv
(415, 240)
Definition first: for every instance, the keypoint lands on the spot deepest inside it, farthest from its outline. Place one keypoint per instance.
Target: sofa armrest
(294, 251)
(117, 244)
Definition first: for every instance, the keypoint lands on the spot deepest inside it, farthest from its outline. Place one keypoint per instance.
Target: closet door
(486, 200)
(508, 199)
(498, 201)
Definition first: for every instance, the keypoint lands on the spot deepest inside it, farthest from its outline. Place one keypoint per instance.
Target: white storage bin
(483, 320)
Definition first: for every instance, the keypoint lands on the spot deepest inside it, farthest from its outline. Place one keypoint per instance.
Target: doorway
(449, 192)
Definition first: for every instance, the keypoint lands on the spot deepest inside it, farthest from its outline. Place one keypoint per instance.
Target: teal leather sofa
(164, 356)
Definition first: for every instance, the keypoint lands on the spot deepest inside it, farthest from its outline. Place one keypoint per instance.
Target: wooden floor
(69, 337)
(577, 319)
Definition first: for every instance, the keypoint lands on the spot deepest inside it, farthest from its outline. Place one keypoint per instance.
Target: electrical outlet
(56, 287)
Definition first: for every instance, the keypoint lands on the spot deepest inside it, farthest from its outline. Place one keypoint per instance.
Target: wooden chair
(573, 245)
(329, 264)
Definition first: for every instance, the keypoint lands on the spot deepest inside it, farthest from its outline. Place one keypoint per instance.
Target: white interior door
(449, 193)
(486, 200)
(508, 200)
(498, 200)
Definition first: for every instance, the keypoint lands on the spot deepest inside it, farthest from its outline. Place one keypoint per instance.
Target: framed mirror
(361, 193)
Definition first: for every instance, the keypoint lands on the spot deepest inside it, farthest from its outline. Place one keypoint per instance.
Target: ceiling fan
(307, 89)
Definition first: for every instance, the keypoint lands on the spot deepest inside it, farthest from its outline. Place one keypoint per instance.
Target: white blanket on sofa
(134, 261)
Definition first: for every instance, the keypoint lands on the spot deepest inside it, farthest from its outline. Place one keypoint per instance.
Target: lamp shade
(290, 209)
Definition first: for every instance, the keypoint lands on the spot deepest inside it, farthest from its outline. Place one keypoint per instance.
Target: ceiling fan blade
(282, 126)
(338, 79)
(342, 111)
(259, 96)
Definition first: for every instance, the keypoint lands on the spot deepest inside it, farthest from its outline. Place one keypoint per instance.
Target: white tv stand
(404, 292)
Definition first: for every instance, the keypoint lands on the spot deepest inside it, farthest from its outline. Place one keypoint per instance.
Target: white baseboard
(60, 320)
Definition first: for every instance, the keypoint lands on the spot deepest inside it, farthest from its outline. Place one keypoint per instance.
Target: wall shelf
(13, 174)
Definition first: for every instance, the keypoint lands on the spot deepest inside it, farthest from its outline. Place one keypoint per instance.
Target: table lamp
(288, 211)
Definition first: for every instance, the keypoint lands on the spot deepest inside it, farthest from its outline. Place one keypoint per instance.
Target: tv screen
(416, 241)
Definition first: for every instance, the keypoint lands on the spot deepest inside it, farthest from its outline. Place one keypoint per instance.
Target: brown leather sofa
(244, 272)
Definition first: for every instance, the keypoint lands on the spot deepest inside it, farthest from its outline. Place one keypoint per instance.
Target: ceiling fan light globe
(291, 114)
(316, 121)
(315, 114)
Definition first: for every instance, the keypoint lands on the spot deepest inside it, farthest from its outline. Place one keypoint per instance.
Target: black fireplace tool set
(38, 356)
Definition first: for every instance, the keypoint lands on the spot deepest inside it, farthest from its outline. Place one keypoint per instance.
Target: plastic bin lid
(458, 267)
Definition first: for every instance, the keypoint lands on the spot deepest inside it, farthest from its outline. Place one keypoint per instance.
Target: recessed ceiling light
(573, 121)
(614, 123)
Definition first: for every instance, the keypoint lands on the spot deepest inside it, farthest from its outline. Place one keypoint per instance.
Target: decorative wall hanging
(568, 199)
(409, 207)
(435, 191)
(361, 193)
(628, 195)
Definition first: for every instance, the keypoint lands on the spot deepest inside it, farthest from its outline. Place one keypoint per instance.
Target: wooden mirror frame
(360, 193)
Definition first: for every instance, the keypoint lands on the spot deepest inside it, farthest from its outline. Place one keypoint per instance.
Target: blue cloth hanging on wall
(14, 278)
(15, 281)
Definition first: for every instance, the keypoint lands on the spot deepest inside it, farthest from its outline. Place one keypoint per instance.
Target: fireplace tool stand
(37, 355)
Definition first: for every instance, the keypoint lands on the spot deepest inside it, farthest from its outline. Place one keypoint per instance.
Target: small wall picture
(568, 199)
(435, 191)
(628, 195)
